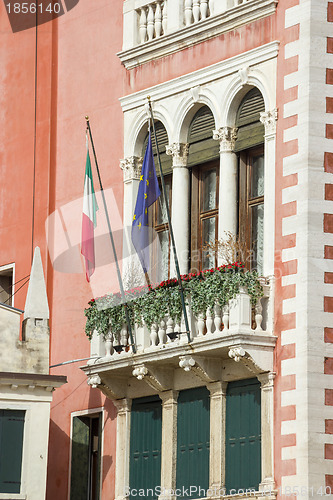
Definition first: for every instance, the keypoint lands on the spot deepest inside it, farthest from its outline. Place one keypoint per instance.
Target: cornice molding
(198, 32)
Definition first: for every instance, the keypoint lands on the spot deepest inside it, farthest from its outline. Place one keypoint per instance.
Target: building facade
(241, 97)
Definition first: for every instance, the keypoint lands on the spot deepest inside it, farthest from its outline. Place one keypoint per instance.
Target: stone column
(267, 431)
(122, 447)
(228, 194)
(180, 205)
(217, 435)
(268, 118)
(169, 442)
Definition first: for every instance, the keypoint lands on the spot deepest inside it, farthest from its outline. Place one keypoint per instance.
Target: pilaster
(169, 441)
(122, 447)
(269, 118)
(267, 431)
(217, 435)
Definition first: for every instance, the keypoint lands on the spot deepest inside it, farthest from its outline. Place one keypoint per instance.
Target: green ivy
(202, 290)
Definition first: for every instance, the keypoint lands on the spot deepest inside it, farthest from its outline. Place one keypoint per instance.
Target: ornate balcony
(154, 29)
(225, 342)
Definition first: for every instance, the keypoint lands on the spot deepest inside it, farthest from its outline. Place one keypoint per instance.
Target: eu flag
(148, 193)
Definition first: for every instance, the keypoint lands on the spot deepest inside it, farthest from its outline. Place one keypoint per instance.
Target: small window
(6, 285)
(11, 449)
(86, 457)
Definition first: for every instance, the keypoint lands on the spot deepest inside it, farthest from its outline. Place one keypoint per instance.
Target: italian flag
(90, 208)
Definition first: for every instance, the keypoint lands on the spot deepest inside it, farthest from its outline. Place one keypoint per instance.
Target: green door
(243, 435)
(193, 436)
(145, 448)
(86, 458)
(11, 447)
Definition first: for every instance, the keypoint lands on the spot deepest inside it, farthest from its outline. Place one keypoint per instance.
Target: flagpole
(120, 281)
(181, 290)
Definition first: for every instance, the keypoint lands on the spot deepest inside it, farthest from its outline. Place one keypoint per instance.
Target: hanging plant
(202, 291)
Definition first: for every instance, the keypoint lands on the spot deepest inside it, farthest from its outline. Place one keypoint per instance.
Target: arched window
(250, 146)
(204, 162)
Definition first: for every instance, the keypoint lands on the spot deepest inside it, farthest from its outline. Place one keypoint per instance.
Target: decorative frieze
(269, 118)
(227, 137)
(179, 152)
(131, 168)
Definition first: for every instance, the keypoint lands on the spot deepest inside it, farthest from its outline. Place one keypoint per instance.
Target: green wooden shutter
(243, 435)
(203, 148)
(250, 129)
(80, 458)
(193, 437)
(11, 448)
(145, 447)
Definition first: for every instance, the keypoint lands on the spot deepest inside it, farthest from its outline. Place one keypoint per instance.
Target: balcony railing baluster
(152, 20)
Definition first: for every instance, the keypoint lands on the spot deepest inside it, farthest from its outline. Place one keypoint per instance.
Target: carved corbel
(207, 370)
(157, 378)
(113, 388)
(240, 355)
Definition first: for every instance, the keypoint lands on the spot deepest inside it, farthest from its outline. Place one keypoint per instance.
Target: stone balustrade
(238, 317)
(152, 20)
(196, 10)
(156, 28)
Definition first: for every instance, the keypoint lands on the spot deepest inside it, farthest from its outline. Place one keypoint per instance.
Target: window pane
(161, 210)
(208, 236)
(209, 190)
(258, 237)
(257, 176)
(163, 261)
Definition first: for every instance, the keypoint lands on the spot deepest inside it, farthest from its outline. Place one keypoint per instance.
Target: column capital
(266, 380)
(217, 389)
(168, 398)
(269, 118)
(227, 137)
(179, 152)
(131, 167)
(123, 405)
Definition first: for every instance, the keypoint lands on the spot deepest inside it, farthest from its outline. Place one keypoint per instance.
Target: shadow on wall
(110, 428)
(58, 462)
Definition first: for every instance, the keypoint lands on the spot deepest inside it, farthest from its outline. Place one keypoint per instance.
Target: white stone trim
(81, 413)
(122, 447)
(203, 76)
